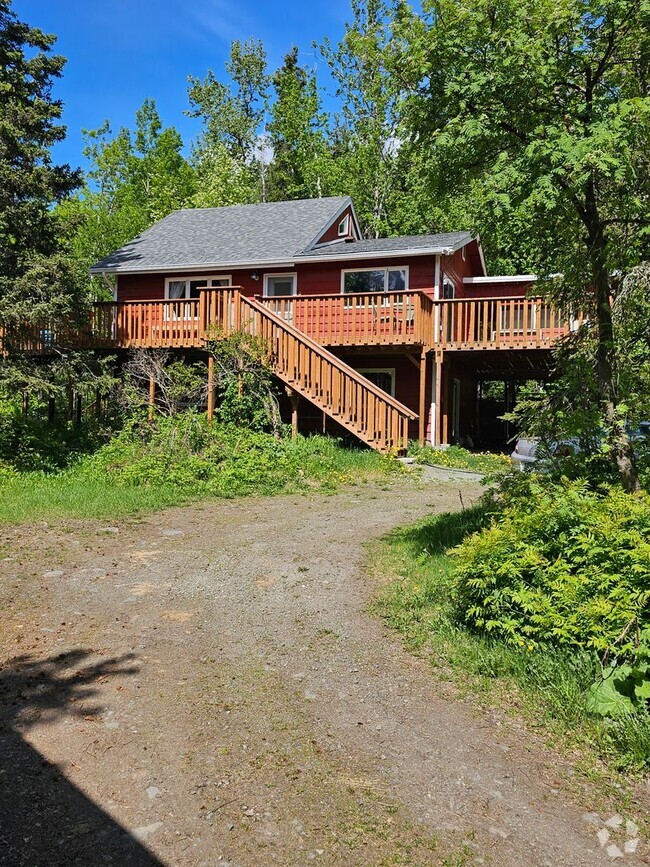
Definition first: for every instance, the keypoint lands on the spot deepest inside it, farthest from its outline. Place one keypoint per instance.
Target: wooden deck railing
(364, 319)
(359, 319)
(498, 323)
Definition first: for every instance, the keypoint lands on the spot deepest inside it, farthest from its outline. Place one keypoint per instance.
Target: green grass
(457, 458)
(547, 686)
(306, 464)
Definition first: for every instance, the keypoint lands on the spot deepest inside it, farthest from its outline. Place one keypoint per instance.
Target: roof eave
(275, 263)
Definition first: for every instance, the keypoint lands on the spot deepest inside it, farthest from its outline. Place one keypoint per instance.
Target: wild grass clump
(182, 458)
(458, 458)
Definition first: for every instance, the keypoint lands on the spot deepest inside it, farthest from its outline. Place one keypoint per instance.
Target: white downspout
(436, 332)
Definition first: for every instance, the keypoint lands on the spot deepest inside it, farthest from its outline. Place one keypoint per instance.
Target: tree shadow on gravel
(437, 533)
(44, 818)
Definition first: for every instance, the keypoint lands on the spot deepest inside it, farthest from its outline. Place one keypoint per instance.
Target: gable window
(383, 377)
(344, 227)
(189, 287)
(279, 285)
(375, 280)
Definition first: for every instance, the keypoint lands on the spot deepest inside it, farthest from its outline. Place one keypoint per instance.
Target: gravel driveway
(206, 686)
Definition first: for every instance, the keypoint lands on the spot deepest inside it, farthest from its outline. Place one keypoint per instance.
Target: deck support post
(210, 388)
(78, 409)
(422, 405)
(294, 397)
(437, 420)
(445, 405)
(152, 396)
(51, 409)
(25, 401)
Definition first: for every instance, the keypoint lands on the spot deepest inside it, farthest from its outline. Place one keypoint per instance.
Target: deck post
(437, 419)
(444, 438)
(25, 401)
(152, 396)
(210, 388)
(51, 409)
(294, 397)
(78, 408)
(422, 406)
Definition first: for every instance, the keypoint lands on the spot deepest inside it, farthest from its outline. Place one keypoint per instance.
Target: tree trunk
(620, 445)
(622, 451)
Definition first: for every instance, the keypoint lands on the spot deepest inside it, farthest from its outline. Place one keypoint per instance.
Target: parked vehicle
(527, 451)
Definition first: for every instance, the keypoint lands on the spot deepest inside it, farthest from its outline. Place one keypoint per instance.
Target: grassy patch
(546, 685)
(130, 477)
(457, 458)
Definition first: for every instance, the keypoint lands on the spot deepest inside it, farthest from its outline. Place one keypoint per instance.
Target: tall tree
(135, 178)
(547, 104)
(367, 138)
(301, 164)
(29, 181)
(233, 142)
(37, 283)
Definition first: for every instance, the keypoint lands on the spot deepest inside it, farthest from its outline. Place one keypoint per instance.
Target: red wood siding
(407, 380)
(318, 278)
(332, 232)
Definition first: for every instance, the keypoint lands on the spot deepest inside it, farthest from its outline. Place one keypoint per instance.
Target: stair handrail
(329, 356)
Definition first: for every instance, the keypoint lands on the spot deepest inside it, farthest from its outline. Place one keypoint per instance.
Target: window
(188, 287)
(375, 280)
(344, 227)
(383, 377)
(279, 285)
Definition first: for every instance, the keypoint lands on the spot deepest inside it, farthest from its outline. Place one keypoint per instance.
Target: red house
(389, 338)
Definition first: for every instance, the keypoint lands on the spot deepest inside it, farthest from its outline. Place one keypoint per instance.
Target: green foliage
(178, 459)
(551, 686)
(229, 152)
(244, 378)
(29, 182)
(544, 104)
(223, 460)
(31, 443)
(302, 164)
(135, 179)
(456, 457)
(560, 564)
(366, 138)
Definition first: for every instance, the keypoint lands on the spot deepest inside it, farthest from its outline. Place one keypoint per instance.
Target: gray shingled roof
(444, 241)
(272, 232)
(239, 234)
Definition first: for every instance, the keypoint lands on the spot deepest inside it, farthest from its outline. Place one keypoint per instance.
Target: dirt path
(209, 680)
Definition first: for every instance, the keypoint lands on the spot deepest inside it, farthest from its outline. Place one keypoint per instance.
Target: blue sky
(122, 51)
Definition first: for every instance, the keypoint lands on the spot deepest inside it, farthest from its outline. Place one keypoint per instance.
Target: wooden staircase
(312, 371)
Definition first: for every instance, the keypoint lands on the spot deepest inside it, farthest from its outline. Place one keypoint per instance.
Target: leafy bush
(458, 458)
(560, 564)
(221, 459)
(31, 443)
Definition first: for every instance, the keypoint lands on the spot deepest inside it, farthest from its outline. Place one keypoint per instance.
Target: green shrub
(222, 459)
(560, 564)
(31, 443)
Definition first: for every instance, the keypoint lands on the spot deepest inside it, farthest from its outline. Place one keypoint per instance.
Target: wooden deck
(367, 319)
